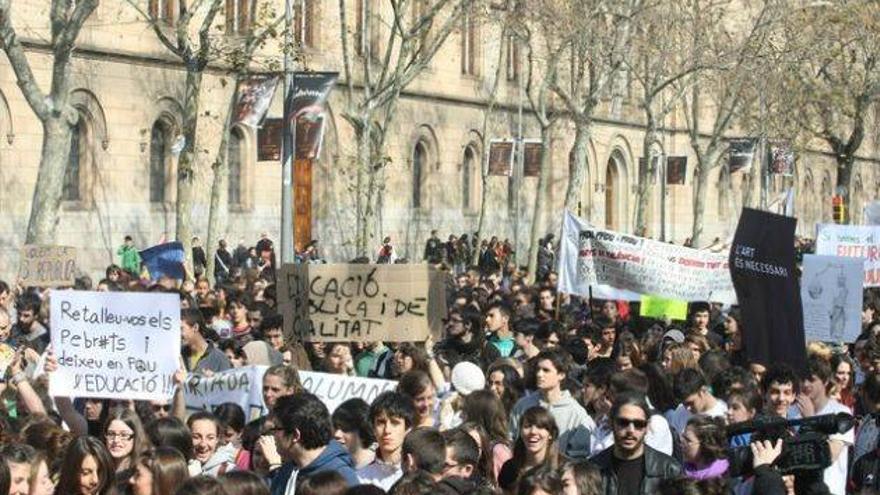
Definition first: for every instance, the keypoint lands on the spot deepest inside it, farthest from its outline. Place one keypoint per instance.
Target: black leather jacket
(658, 467)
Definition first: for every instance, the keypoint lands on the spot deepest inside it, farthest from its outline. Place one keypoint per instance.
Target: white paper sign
(596, 257)
(118, 345)
(336, 389)
(852, 241)
(242, 386)
(831, 294)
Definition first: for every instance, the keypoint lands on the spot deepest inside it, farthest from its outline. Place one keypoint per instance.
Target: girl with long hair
(581, 478)
(535, 448)
(506, 383)
(159, 472)
(484, 409)
(124, 438)
(418, 386)
(704, 447)
(87, 468)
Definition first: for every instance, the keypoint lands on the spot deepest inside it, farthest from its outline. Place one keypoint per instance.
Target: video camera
(803, 451)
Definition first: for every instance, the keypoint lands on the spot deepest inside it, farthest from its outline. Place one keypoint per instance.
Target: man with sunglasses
(629, 467)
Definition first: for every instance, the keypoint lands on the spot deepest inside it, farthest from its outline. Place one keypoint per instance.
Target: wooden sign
(367, 303)
(47, 266)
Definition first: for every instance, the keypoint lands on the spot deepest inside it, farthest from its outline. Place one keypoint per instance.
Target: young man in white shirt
(814, 386)
(392, 415)
(692, 390)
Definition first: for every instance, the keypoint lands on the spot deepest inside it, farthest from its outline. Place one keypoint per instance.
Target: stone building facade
(128, 89)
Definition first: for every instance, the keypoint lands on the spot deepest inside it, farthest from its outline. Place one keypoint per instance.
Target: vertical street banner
(676, 170)
(762, 267)
(781, 158)
(308, 112)
(831, 292)
(115, 345)
(740, 154)
(501, 157)
(852, 241)
(254, 97)
(637, 265)
(354, 302)
(532, 151)
(269, 140)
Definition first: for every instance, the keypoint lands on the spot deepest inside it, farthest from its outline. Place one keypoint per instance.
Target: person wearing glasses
(629, 467)
(125, 439)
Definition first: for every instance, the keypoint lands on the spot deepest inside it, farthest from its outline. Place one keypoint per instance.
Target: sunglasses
(623, 423)
(165, 407)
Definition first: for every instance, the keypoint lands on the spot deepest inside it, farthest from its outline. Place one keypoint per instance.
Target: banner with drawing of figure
(831, 294)
(254, 97)
(307, 111)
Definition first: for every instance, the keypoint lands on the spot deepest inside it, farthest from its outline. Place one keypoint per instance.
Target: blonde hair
(819, 350)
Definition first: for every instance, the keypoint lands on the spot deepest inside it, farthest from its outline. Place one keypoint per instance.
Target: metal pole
(662, 198)
(287, 254)
(520, 157)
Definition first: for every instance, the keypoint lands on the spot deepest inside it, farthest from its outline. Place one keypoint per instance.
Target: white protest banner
(639, 265)
(831, 294)
(115, 344)
(852, 241)
(242, 386)
(354, 302)
(336, 389)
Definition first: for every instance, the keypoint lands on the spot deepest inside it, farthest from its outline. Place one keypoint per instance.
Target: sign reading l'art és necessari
(115, 344)
(331, 303)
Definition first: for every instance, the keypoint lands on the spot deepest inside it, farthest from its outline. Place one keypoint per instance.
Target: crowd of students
(528, 392)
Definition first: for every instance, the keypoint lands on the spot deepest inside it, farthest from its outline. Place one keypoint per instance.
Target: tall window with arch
(468, 168)
(469, 45)
(164, 10)
(304, 22)
(419, 163)
(76, 161)
(238, 16)
(159, 151)
(235, 159)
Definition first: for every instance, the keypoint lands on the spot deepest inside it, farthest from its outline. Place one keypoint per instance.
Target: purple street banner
(307, 109)
(254, 97)
(740, 154)
(762, 267)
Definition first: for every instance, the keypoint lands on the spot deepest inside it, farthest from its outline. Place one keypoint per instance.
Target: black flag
(762, 266)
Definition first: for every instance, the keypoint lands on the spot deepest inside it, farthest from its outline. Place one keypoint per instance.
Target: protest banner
(590, 256)
(852, 241)
(47, 266)
(336, 389)
(871, 213)
(658, 307)
(165, 260)
(339, 303)
(242, 386)
(115, 344)
(762, 266)
(831, 294)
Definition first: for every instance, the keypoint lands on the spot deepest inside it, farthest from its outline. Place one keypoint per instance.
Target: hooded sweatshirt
(333, 458)
(570, 417)
(223, 461)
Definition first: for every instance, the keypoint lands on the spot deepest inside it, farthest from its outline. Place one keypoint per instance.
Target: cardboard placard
(831, 295)
(852, 241)
(115, 344)
(47, 266)
(658, 307)
(368, 303)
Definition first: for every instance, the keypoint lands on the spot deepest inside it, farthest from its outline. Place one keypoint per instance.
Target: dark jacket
(658, 467)
(333, 458)
(768, 481)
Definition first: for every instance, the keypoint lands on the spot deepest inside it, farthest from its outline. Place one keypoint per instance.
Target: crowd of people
(528, 392)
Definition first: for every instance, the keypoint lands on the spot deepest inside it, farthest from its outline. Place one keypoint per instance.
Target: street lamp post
(287, 254)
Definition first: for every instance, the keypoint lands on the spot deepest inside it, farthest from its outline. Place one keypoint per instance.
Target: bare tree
(375, 75)
(719, 96)
(52, 108)
(195, 53)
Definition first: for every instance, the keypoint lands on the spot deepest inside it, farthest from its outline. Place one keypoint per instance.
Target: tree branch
(18, 60)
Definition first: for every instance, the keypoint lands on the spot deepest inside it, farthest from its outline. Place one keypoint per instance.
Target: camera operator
(816, 382)
(865, 473)
(767, 480)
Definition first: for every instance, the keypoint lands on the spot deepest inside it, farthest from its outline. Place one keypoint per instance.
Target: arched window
(238, 19)
(468, 167)
(420, 162)
(158, 161)
(77, 159)
(235, 160)
(304, 22)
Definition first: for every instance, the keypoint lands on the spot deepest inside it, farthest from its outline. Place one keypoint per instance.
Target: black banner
(306, 108)
(762, 266)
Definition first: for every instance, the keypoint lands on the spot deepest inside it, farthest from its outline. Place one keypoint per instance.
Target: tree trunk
(844, 180)
(643, 194)
(186, 165)
(484, 201)
(217, 216)
(543, 177)
(577, 171)
(50, 181)
(701, 183)
(363, 168)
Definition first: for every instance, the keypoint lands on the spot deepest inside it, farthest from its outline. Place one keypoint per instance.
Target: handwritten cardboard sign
(115, 344)
(47, 266)
(331, 303)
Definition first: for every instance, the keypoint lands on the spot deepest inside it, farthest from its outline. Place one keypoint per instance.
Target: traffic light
(838, 209)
